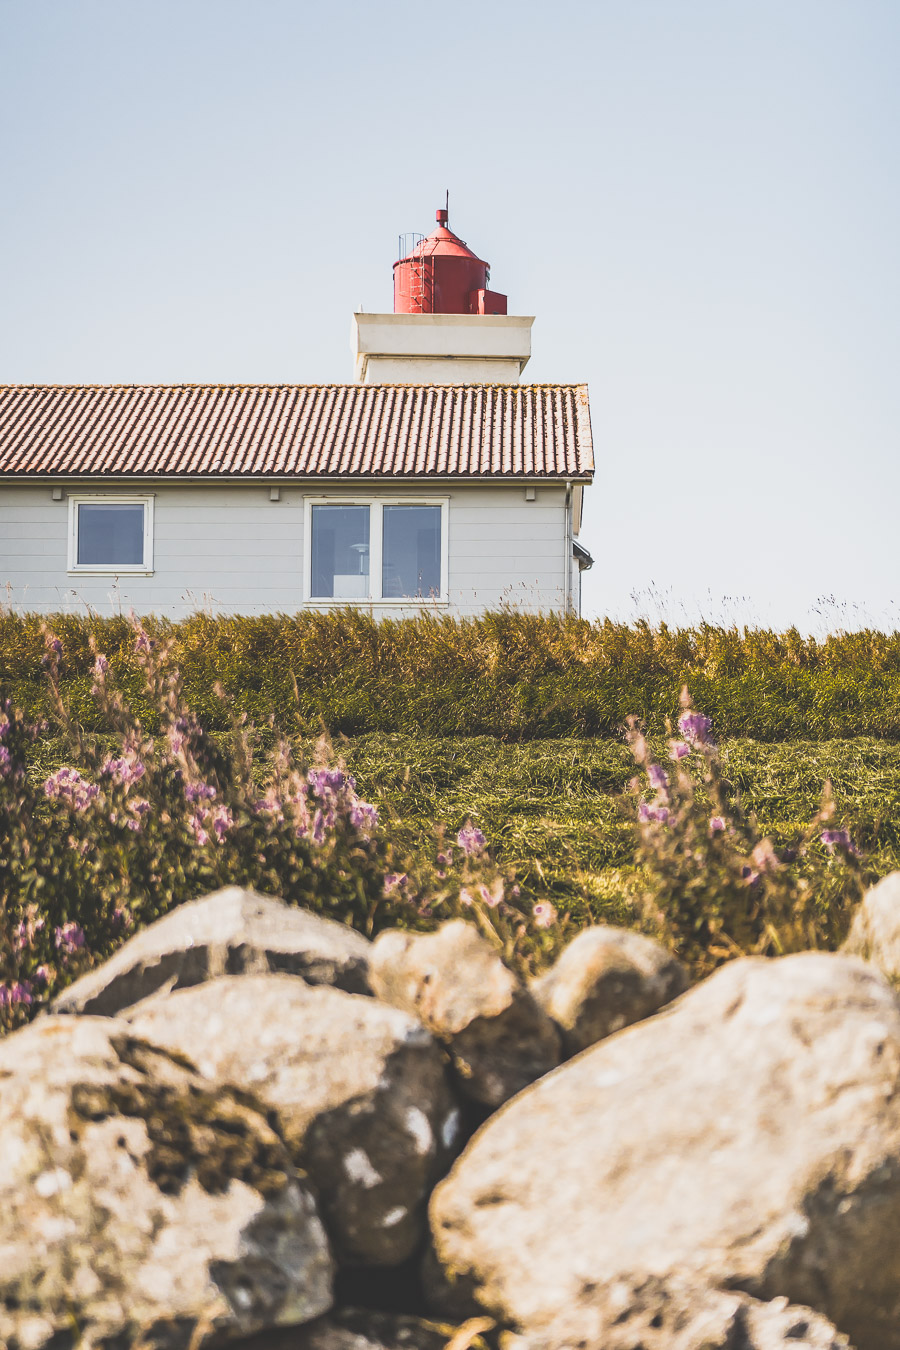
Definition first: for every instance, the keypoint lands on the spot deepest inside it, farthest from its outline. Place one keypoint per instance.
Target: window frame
(375, 503)
(144, 568)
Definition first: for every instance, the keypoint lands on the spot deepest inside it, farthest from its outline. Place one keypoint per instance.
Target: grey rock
(141, 1205)
(875, 932)
(360, 1091)
(606, 979)
(230, 932)
(747, 1137)
(499, 1038)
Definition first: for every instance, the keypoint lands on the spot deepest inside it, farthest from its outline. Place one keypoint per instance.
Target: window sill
(110, 572)
(393, 603)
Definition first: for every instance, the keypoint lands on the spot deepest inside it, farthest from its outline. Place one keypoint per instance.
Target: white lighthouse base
(440, 348)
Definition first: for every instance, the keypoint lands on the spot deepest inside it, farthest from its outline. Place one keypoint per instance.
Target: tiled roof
(328, 431)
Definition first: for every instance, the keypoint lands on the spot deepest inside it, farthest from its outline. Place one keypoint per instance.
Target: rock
(747, 1137)
(138, 1204)
(875, 932)
(659, 1316)
(498, 1037)
(360, 1329)
(606, 979)
(231, 932)
(359, 1089)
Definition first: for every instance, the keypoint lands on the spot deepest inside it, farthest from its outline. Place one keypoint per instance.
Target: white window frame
(376, 552)
(144, 568)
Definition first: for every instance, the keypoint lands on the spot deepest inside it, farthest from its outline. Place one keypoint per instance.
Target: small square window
(110, 534)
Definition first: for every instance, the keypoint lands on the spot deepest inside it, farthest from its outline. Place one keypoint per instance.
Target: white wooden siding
(231, 550)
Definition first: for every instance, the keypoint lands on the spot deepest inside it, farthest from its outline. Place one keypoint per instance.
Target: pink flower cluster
(67, 785)
(210, 823)
(69, 938)
(125, 770)
(471, 840)
(695, 728)
(19, 993)
(833, 839)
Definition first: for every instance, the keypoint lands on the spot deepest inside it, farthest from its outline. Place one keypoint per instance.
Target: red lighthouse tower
(441, 275)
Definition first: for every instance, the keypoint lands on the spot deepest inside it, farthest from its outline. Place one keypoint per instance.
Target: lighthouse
(448, 326)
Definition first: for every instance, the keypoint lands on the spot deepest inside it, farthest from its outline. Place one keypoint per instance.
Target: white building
(435, 480)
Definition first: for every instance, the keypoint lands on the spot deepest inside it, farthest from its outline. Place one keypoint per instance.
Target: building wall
(231, 550)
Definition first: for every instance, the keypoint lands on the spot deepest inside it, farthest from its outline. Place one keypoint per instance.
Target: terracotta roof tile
(333, 431)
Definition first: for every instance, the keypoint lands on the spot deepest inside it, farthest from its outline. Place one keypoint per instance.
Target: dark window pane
(412, 551)
(340, 552)
(111, 533)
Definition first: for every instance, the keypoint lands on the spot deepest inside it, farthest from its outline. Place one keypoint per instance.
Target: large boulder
(606, 979)
(747, 1137)
(498, 1036)
(230, 932)
(656, 1315)
(875, 932)
(359, 1089)
(141, 1205)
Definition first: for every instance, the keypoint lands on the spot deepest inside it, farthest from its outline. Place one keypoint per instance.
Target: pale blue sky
(698, 199)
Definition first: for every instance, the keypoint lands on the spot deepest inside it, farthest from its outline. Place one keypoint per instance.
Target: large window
(111, 534)
(376, 550)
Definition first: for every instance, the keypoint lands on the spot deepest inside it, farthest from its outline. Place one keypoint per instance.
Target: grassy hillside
(510, 676)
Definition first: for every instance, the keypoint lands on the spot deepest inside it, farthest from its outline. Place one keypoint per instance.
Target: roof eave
(57, 477)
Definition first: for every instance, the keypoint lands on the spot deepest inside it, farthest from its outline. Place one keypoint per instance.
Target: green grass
(559, 810)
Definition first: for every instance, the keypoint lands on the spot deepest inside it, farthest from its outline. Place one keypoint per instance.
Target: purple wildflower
(222, 821)
(544, 914)
(101, 666)
(126, 770)
(716, 824)
(470, 840)
(69, 937)
(199, 792)
(5, 761)
(493, 896)
(195, 825)
(328, 780)
(658, 777)
(42, 975)
(20, 992)
(67, 785)
(651, 812)
(695, 728)
(839, 839)
(678, 750)
(394, 881)
(318, 828)
(142, 642)
(363, 816)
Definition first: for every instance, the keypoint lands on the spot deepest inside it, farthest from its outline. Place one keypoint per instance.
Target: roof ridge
(333, 384)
